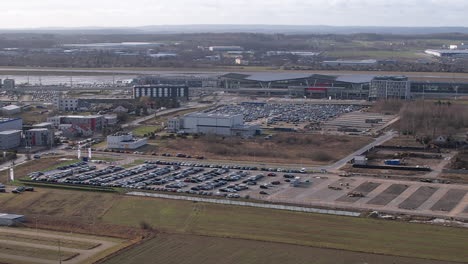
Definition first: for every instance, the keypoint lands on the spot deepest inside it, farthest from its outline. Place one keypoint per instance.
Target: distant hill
(269, 29)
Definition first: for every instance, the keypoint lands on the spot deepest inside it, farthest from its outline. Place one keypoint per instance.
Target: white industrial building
(11, 124)
(225, 48)
(10, 139)
(209, 123)
(385, 87)
(455, 53)
(124, 140)
(11, 109)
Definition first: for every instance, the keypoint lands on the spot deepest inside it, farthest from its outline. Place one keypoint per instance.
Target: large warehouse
(298, 84)
(217, 124)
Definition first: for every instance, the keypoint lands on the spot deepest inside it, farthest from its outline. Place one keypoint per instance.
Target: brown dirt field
(383, 172)
(406, 141)
(311, 149)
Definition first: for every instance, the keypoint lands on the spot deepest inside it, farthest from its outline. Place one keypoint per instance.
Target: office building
(161, 91)
(39, 137)
(66, 104)
(385, 87)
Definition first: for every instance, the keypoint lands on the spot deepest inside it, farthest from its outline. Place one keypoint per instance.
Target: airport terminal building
(297, 85)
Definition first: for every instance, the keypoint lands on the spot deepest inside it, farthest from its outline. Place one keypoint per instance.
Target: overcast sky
(76, 13)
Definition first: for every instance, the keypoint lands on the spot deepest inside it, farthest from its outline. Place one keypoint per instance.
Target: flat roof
(38, 129)
(10, 216)
(6, 120)
(212, 115)
(446, 51)
(43, 124)
(9, 132)
(11, 107)
(271, 77)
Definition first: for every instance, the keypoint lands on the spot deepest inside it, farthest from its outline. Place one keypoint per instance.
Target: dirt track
(82, 254)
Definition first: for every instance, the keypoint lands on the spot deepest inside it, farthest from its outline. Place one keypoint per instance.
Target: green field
(293, 228)
(142, 130)
(212, 250)
(324, 231)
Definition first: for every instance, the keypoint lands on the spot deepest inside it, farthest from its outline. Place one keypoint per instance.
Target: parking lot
(173, 176)
(280, 114)
(276, 185)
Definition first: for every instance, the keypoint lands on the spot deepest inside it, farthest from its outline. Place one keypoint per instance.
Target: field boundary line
(250, 204)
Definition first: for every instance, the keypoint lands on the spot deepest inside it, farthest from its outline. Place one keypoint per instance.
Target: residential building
(39, 137)
(161, 91)
(120, 109)
(10, 139)
(110, 120)
(217, 124)
(11, 109)
(124, 140)
(11, 124)
(384, 87)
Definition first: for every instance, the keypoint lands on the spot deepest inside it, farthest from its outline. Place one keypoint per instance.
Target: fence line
(250, 204)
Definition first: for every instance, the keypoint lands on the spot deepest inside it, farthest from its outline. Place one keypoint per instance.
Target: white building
(217, 124)
(66, 104)
(384, 87)
(11, 124)
(122, 140)
(10, 139)
(11, 109)
(457, 46)
(225, 48)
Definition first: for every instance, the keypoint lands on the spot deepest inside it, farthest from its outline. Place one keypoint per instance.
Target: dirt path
(83, 254)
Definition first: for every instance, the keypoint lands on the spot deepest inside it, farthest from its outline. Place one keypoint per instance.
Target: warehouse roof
(6, 120)
(10, 216)
(271, 77)
(9, 132)
(355, 78)
(211, 115)
(11, 107)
